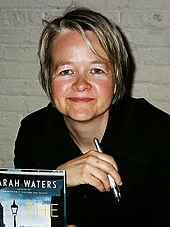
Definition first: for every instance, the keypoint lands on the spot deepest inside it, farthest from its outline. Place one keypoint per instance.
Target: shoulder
(141, 128)
(38, 121)
(142, 110)
(146, 119)
(41, 115)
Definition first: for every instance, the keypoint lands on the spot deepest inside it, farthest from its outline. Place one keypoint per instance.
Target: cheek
(58, 88)
(107, 89)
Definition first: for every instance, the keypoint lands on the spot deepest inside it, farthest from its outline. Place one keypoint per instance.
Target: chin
(81, 118)
(80, 115)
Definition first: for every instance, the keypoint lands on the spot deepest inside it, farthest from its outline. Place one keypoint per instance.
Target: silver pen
(113, 185)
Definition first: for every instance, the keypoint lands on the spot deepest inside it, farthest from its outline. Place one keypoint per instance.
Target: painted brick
(146, 24)
(140, 90)
(146, 37)
(13, 36)
(13, 3)
(50, 4)
(8, 134)
(146, 19)
(160, 92)
(21, 54)
(10, 119)
(18, 70)
(21, 88)
(12, 104)
(35, 103)
(149, 4)
(1, 50)
(149, 74)
(167, 37)
(155, 57)
(100, 4)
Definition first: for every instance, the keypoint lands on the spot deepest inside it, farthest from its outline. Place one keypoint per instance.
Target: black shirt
(137, 136)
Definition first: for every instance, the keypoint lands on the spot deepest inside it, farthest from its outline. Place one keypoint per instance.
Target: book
(32, 198)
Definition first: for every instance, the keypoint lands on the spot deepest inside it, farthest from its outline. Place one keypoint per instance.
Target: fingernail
(120, 183)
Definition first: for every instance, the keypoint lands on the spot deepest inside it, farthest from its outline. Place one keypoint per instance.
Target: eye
(66, 72)
(97, 71)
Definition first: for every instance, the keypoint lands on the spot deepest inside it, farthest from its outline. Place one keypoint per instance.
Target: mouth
(81, 99)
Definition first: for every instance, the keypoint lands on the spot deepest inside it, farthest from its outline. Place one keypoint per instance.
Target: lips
(80, 99)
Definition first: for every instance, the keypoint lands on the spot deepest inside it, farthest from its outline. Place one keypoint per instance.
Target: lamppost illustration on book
(14, 209)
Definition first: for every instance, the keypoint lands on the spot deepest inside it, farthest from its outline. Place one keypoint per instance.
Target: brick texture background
(145, 24)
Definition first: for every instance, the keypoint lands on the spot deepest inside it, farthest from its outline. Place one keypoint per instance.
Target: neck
(84, 132)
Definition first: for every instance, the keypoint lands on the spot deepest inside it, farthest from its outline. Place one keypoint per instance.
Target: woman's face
(83, 84)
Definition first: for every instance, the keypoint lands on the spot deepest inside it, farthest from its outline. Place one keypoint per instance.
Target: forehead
(68, 40)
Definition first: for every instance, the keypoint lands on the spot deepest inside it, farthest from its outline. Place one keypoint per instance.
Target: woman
(83, 71)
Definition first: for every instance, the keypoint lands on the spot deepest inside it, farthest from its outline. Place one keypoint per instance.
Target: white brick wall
(146, 24)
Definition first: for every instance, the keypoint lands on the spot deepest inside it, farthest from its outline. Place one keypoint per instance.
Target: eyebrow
(61, 63)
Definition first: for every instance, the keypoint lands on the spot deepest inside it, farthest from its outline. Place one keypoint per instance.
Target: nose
(81, 84)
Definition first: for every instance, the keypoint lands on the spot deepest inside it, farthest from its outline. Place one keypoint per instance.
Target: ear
(115, 88)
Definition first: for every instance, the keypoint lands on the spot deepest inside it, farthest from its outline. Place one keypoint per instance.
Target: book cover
(32, 198)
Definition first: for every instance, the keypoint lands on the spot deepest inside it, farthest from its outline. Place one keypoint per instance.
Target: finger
(95, 177)
(104, 157)
(105, 166)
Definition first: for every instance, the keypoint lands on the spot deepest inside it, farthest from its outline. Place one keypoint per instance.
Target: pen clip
(96, 143)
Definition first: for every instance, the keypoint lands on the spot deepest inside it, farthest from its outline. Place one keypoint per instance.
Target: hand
(92, 168)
